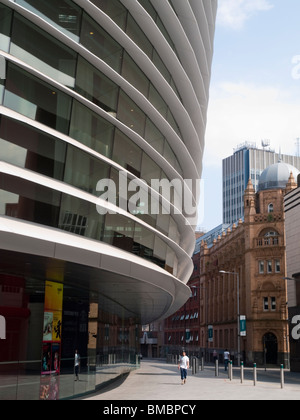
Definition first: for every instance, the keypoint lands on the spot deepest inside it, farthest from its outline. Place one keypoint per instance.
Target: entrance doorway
(271, 349)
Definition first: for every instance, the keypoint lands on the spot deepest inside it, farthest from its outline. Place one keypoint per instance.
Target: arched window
(271, 238)
(271, 208)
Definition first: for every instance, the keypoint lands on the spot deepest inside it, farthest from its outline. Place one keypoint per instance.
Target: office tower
(247, 162)
(96, 94)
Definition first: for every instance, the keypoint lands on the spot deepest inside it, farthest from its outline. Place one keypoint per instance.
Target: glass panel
(119, 232)
(144, 237)
(160, 252)
(30, 201)
(91, 130)
(100, 43)
(37, 100)
(133, 74)
(80, 217)
(84, 171)
(43, 52)
(150, 170)
(154, 137)
(29, 148)
(158, 102)
(64, 14)
(114, 9)
(1, 91)
(127, 153)
(131, 115)
(5, 27)
(138, 36)
(96, 87)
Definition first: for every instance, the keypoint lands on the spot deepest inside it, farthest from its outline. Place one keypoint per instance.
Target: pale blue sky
(255, 87)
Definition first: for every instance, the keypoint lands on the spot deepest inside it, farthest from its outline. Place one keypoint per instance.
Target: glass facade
(84, 323)
(86, 95)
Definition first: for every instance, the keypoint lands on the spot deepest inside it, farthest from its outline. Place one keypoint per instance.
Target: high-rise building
(247, 162)
(98, 98)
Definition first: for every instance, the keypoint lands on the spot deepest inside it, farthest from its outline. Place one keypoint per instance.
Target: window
(51, 57)
(37, 100)
(273, 303)
(270, 267)
(266, 304)
(277, 266)
(63, 14)
(271, 208)
(261, 267)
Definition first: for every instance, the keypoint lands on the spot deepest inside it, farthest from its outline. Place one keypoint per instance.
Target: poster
(51, 350)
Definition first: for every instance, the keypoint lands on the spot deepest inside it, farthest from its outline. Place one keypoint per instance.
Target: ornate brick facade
(254, 250)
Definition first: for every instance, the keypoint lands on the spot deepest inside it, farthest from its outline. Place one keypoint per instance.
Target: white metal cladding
(190, 24)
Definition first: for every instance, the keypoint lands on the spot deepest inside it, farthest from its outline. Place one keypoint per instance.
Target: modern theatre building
(98, 99)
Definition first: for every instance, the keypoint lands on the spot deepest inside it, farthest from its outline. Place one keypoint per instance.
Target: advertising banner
(51, 348)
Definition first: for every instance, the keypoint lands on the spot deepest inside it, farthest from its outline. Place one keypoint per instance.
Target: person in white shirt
(76, 364)
(184, 365)
(226, 359)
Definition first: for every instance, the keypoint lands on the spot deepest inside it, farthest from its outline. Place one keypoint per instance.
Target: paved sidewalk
(158, 381)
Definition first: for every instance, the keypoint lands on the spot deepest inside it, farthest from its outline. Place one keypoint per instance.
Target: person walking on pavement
(183, 365)
(226, 359)
(76, 364)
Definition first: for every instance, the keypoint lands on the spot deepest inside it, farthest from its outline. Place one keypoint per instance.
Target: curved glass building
(102, 120)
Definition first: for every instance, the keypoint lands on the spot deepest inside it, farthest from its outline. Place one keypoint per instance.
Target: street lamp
(238, 311)
(206, 314)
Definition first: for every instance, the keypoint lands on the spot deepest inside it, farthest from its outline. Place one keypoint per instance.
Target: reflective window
(5, 27)
(96, 87)
(84, 171)
(127, 154)
(133, 74)
(131, 115)
(32, 149)
(33, 45)
(64, 14)
(35, 203)
(138, 36)
(114, 9)
(37, 100)
(80, 217)
(91, 130)
(100, 43)
(154, 137)
(28, 201)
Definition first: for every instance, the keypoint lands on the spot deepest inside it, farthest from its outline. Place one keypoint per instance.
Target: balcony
(267, 242)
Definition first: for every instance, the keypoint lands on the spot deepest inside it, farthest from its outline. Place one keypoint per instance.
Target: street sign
(243, 326)
(210, 333)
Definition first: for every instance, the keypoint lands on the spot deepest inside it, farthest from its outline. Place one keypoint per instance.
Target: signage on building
(2, 328)
(243, 326)
(210, 333)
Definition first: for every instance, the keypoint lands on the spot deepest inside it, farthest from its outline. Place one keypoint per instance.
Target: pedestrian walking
(226, 359)
(184, 365)
(76, 364)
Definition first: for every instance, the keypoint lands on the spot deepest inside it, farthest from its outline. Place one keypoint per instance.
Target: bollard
(217, 368)
(194, 366)
(242, 372)
(230, 370)
(202, 364)
(255, 374)
(282, 376)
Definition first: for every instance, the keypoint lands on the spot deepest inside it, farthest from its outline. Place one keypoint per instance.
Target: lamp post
(206, 314)
(238, 311)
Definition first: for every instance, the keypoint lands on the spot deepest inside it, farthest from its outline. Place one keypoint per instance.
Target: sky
(255, 88)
